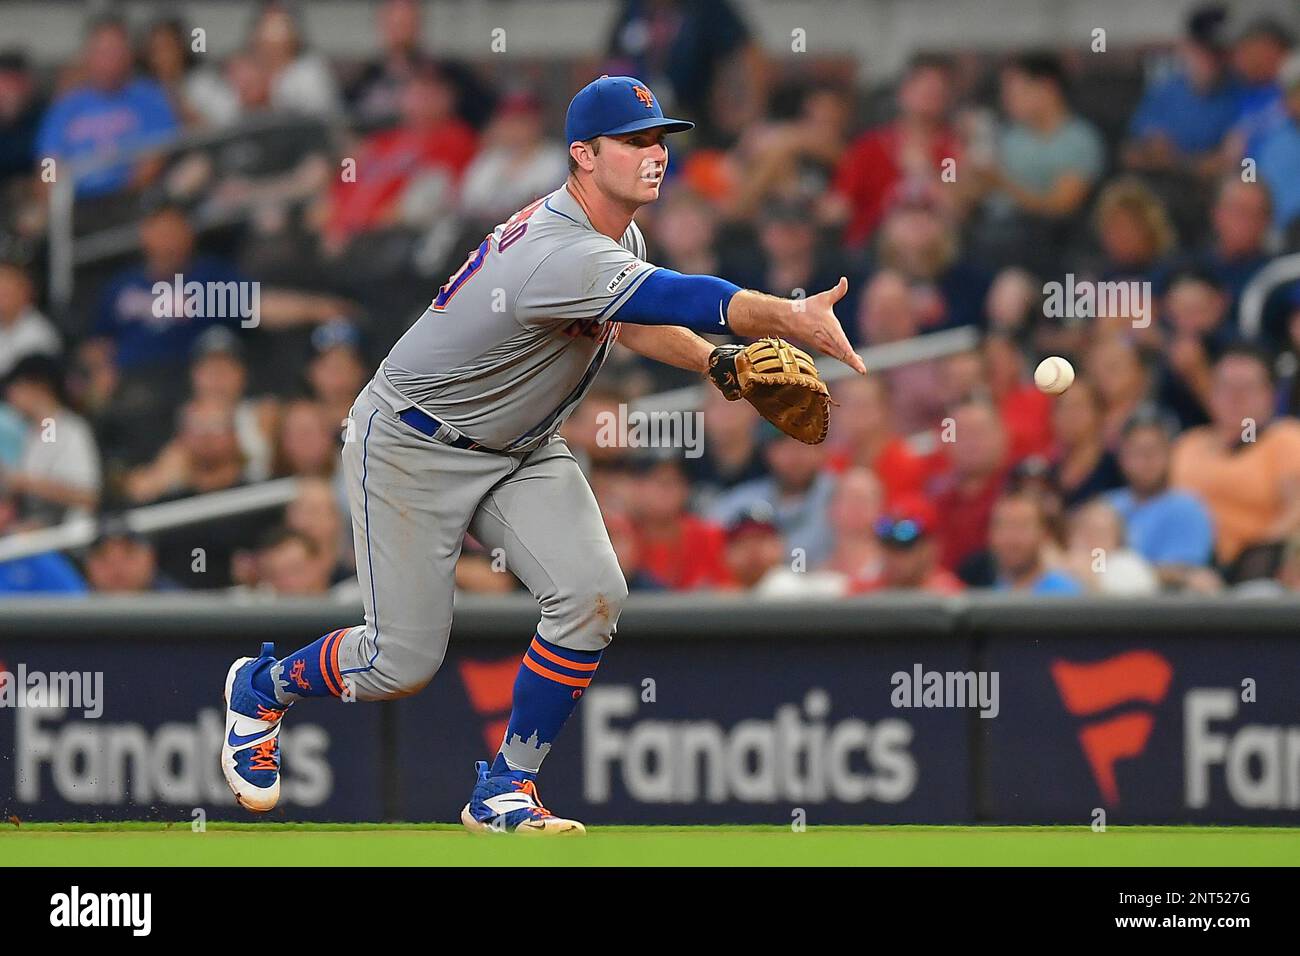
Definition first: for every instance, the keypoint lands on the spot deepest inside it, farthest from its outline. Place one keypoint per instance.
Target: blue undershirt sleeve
(665, 297)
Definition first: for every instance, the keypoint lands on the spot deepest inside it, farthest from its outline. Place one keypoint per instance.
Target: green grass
(236, 844)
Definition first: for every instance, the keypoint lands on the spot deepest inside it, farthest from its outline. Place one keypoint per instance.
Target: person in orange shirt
(1245, 465)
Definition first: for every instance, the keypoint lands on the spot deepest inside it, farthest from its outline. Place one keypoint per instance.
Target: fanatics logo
(1088, 690)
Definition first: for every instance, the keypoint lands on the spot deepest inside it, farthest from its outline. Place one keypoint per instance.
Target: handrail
(148, 519)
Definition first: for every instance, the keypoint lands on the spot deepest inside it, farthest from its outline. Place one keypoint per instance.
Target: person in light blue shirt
(1018, 540)
(1170, 528)
(113, 113)
(799, 493)
(1279, 152)
(49, 573)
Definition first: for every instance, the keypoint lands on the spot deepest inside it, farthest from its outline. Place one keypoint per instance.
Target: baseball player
(457, 432)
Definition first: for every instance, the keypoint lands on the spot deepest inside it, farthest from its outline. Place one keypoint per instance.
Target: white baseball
(1054, 375)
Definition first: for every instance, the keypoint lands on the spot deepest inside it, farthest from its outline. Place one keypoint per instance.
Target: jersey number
(515, 228)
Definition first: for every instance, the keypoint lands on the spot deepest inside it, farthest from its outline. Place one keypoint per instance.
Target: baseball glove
(780, 381)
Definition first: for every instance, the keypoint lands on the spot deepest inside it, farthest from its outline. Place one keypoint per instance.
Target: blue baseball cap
(613, 105)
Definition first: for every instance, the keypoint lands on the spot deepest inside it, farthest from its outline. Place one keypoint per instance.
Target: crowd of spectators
(967, 193)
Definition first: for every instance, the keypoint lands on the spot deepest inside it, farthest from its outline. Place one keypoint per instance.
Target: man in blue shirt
(113, 113)
(1171, 529)
(1185, 116)
(1018, 540)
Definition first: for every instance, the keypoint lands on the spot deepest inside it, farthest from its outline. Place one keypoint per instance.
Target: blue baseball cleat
(508, 803)
(250, 752)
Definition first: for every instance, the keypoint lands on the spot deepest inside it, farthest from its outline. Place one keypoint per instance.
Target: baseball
(1053, 375)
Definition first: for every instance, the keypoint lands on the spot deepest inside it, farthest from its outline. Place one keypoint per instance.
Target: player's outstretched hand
(817, 325)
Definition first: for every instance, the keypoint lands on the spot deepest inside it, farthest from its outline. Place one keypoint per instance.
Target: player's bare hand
(817, 325)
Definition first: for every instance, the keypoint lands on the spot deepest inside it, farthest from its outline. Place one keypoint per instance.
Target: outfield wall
(704, 710)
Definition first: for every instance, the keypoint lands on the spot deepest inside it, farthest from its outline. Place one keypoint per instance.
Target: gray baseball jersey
(513, 341)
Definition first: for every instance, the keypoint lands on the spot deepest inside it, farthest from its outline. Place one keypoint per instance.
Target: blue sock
(310, 672)
(550, 681)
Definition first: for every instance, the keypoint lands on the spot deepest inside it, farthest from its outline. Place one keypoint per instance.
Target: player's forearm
(756, 314)
(670, 344)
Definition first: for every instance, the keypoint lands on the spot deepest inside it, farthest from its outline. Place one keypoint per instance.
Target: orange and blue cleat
(250, 752)
(508, 803)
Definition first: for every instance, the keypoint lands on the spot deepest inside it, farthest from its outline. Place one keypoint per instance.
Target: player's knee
(590, 612)
(394, 679)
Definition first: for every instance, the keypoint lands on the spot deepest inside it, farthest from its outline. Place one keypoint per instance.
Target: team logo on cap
(644, 96)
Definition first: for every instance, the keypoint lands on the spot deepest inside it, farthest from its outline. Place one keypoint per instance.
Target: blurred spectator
(1135, 232)
(789, 262)
(685, 233)
(405, 176)
(792, 160)
(854, 510)
(515, 166)
(290, 564)
(300, 80)
(1195, 311)
(1185, 114)
(626, 541)
(1100, 558)
(1083, 467)
(1012, 302)
(204, 456)
(798, 490)
(922, 246)
(112, 113)
(1169, 528)
(910, 553)
(152, 330)
(686, 52)
(47, 573)
(20, 116)
(1244, 465)
(1018, 538)
(1115, 369)
(1258, 52)
(890, 313)
(1047, 161)
(965, 500)
(1279, 152)
(314, 512)
(58, 475)
(897, 160)
(677, 548)
(1239, 248)
(24, 330)
(862, 435)
(167, 55)
(731, 453)
(122, 561)
(753, 546)
(337, 370)
(375, 93)
(307, 442)
(218, 372)
(1026, 412)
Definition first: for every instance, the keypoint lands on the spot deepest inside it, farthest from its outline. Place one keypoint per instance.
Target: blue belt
(428, 425)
